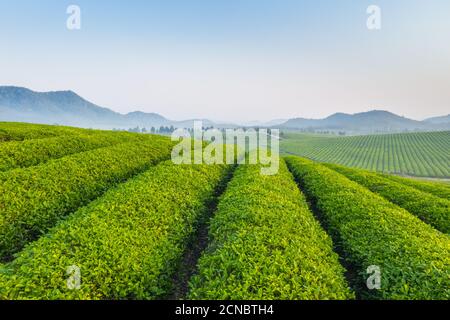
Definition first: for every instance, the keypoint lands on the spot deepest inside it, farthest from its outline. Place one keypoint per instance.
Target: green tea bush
(414, 258)
(21, 154)
(13, 131)
(429, 208)
(435, 188)
(34, 199)
(266, 244)
(126, 244)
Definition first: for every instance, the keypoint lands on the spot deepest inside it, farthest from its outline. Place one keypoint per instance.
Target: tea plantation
(95, 215)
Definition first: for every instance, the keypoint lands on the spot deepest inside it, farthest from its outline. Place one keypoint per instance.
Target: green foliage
(127, 243)
(438, 189)
(266, 244)
(66, 186)
(413, 257)
(20, 154)
(34, 199)
(424, 154)
(12, 131)
(429, 208)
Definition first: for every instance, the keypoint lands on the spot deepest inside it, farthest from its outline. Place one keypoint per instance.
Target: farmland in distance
(421, 154)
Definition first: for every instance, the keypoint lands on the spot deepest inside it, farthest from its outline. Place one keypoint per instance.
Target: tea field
(97, 215)
(421, 154)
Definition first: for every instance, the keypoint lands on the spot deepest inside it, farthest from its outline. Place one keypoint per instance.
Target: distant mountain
(62, 107)
(67, 108)
(271, 123)
(439, 120)
(142, 119)
(375, 121)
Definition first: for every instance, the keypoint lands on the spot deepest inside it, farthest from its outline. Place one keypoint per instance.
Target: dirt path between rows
(196, 246)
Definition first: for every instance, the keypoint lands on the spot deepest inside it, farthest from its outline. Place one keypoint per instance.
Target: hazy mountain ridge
(365, 122)
(68, 108)
(62, 107)
(439, 120)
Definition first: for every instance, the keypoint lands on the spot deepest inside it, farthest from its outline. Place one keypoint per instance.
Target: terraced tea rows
(414, 258)
(21, 154)
(266, 244)
(126, 244)
(34, 199)
(424, 154)
(127, 222)
(429, 208)
(438, 189)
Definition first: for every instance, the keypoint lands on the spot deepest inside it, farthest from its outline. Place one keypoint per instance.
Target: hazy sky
(234, 60)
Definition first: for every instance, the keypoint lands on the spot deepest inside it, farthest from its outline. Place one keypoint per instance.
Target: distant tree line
(154, 130)
(169, 130)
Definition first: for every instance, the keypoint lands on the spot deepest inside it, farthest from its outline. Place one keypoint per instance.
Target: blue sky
(234, 60)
